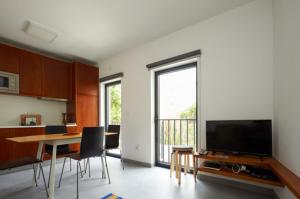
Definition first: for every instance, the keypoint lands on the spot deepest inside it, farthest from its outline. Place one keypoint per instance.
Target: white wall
(236, 80)
(11, 107)
(287, 85)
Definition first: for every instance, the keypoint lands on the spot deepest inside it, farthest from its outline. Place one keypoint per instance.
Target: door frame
(106, 122)
(156, 107)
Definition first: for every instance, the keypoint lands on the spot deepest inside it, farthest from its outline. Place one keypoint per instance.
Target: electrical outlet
(137, 147)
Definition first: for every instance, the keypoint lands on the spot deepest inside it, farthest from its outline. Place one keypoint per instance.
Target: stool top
(182, 148)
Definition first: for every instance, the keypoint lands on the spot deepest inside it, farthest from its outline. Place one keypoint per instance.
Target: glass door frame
(106, 111)
(156, 106)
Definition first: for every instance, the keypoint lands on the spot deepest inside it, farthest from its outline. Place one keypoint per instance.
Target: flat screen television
(251, 137)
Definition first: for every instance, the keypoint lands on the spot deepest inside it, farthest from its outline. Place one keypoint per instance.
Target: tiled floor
(134, 182)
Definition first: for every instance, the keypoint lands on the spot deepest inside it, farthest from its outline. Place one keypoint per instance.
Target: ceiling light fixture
(39, 31)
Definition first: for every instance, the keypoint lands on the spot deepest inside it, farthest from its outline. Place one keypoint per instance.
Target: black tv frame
(239, 152)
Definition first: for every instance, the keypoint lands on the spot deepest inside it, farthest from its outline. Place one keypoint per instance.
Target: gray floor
(134, 182)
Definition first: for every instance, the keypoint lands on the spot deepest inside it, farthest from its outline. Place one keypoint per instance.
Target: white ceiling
(96, 29)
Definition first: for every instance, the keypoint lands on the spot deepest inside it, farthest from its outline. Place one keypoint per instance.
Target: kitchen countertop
(37, 126)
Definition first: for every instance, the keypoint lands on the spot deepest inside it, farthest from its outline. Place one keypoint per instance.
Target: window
(113, 103)
(113, 110)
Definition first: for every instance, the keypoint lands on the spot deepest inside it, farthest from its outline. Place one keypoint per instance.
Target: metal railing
(174, 132)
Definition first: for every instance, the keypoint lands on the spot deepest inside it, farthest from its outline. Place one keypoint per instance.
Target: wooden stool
(177, 152)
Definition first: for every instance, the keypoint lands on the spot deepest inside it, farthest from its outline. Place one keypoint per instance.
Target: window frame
(106, 111)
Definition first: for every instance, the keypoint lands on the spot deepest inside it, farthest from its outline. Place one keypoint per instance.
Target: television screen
(253, 137)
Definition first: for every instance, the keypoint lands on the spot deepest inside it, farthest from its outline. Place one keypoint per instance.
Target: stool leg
(179, 168)
(185, 163)
(188, 162)
(176, 163)
(195, 167)
(172, 165)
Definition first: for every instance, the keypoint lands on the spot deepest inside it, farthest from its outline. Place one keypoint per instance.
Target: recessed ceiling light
(40, 31)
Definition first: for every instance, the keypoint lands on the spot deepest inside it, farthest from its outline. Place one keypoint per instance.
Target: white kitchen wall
(287, 86)
(236, 80)
(11, 107)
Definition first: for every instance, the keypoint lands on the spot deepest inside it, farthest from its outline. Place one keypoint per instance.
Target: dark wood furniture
(56, 78)
(286, 177)
(9, 59)
(30, 74)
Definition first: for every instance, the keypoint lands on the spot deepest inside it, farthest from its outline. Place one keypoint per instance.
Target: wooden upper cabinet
(30, 74)
(56, 79)
(9, 59)
(87, 79)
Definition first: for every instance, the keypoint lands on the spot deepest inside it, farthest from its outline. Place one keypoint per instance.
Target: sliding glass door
(175, 110)
(113, 108)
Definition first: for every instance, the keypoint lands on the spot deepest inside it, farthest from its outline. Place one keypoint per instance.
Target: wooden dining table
(54, 140)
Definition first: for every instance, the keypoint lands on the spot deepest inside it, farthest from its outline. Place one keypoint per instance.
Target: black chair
(113, 141)
(23, 162)
(62, 150)
(92, 145)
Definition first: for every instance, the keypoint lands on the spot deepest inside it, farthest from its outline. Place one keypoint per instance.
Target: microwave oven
(9, 83)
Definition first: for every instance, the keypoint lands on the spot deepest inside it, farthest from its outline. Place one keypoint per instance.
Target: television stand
(258, 162)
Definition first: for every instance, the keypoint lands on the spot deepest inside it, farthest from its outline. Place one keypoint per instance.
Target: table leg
(52, 174)
(38, 156)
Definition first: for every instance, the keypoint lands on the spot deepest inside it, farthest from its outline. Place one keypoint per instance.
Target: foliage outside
(115, 104)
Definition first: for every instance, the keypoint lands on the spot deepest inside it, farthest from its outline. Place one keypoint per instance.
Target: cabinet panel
(56, 79)
(9, 59)
(26, 149)
(87, 111)
(30, 74)
(6, 147)
(87, 79)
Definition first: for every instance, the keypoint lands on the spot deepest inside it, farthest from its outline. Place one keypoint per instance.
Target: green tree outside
(115, 104)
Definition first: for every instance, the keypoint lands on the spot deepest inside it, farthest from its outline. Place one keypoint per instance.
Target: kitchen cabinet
(22, 150)
(9, 59)
(30, 74)
(87, 111)
(6, 147)
(87, 79)
(56, 79)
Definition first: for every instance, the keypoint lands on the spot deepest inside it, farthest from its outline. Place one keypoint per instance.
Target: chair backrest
(112, 141)
(56, 129)
(92, 142)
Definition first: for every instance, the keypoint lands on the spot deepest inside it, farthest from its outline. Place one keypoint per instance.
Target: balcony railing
(174, 132)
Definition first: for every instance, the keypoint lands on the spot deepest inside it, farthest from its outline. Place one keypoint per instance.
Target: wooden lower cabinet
(6, 147)
(26, 149)
(12, 151)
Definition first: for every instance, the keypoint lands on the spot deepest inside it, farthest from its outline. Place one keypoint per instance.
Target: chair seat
(19, 163)
(74, 156)
(182, 148)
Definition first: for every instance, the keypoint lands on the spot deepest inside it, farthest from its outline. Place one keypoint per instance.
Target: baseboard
(144, 164)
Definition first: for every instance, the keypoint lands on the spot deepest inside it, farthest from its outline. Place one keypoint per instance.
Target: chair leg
(85, 163)
(45, 185)
(122, 161)
(34, 173)
(49, 173)
(70, 164)
(89, 167)
(39, 174)
(62, 171)
(102, 167)
(107, 169)
(80, 169)
(78, 165)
